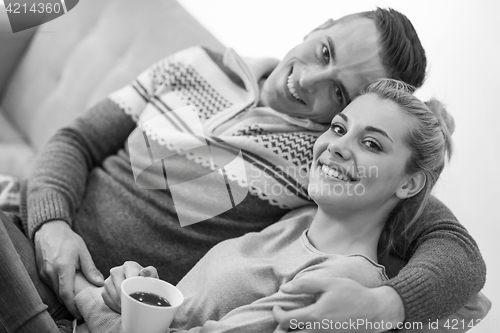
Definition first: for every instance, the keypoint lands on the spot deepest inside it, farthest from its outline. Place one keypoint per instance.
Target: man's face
(320, 76)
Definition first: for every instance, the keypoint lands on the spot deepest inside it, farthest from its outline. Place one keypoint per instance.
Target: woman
(380, 159)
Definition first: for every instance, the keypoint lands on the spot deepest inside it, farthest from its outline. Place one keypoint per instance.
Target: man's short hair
(401, 51)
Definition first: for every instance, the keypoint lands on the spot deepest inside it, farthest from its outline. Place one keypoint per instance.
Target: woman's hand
(111, 293)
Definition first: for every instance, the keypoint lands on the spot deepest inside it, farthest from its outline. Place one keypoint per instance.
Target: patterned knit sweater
(84, 177)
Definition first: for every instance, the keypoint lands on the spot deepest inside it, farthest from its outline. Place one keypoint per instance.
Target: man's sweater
(235, 286)
(84, 177)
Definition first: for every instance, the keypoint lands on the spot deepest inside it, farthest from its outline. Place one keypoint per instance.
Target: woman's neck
(345, 234)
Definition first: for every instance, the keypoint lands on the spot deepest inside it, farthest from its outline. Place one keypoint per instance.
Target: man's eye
(339, 95)
(372, 145)
(338, 129)
(326, 53)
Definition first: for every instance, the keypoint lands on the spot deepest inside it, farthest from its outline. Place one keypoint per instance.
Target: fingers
(66, 282)
(110, 302)
(280, 329)
(88, 267)
(298, 315)
(112, 285)
(111, 289)
(130, 269)
(149, 271)
(306, 286)
(50, 276)
(279, 315)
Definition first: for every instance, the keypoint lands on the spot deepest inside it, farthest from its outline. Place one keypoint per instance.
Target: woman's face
(360, 161)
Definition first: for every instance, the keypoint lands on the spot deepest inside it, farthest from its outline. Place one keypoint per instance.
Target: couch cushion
(94, 49)
(12, 47)
(15, 154)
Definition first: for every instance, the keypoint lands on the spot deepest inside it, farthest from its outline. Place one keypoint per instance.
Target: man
(83, 177)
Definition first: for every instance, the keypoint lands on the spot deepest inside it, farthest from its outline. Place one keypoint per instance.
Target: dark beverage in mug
(150, 298)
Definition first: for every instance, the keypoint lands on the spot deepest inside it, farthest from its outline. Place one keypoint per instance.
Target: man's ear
(411, 186)
(325, 25)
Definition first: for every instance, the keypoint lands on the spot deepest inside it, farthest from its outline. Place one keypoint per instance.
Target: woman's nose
(339, 149)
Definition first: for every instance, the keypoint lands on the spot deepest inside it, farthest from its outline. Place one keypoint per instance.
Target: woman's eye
(326, 53)
(338, 129)
(372, 145)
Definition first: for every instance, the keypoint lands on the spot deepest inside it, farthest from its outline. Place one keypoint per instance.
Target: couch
(52, 73)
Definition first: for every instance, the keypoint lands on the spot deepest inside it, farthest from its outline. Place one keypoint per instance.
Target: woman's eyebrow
(343, 116)
(367, 128)
(378, 130)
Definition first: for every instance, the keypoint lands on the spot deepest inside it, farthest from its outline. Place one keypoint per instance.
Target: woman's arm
(254, 317)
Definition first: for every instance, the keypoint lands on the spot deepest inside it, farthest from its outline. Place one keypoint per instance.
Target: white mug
(139, 317)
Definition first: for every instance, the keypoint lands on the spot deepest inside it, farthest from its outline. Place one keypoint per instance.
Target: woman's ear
(411, 186)
(324, 26)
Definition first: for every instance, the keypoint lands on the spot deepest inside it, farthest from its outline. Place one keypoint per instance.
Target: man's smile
(291, 88)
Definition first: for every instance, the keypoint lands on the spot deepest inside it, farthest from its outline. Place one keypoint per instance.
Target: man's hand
(112, 291)
(81, 283)
(60, 252)
(342, 301)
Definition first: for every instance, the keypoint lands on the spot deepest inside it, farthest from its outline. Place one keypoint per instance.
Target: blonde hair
(429, 142)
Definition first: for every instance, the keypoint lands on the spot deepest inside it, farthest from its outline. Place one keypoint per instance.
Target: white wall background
(462, 40)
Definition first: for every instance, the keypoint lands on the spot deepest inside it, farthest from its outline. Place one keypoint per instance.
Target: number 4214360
(20, 8)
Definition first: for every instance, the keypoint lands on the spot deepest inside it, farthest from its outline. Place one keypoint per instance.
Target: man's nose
(314, 78)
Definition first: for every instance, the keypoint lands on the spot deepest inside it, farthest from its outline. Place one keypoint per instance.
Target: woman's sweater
(234, 287)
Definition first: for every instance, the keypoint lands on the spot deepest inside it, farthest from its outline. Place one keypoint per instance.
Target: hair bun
(446, 122)
(445, 118)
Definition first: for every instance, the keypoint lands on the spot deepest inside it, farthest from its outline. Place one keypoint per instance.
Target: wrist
(52, 224)
(390, 305)
(49, 228)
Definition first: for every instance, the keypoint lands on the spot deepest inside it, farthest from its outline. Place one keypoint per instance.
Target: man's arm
(58, 183)
(56, 189)
(445, 270)
(345, 302)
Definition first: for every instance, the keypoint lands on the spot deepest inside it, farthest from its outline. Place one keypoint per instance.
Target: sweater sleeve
(56, 187)
(254, 317)
(57, 184)
(445, 268)
(258, 315)
(98, 316)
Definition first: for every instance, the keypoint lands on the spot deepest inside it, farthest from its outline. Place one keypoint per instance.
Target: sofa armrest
(12, 47)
